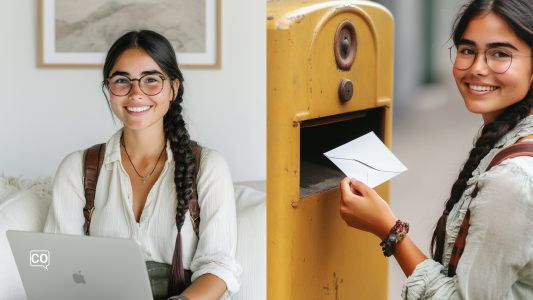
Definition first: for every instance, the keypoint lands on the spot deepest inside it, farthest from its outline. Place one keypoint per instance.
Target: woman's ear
(175, 87)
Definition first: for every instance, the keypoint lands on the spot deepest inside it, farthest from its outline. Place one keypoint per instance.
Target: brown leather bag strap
(93, 159)
(194, 208)
(519, 149)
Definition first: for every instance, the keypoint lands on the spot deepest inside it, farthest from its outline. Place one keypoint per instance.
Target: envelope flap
(369, 150)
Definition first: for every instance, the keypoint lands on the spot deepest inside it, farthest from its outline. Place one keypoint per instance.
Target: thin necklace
(143, 178)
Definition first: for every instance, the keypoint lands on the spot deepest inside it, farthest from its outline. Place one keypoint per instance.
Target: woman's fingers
(353, 189)
(349, 199)
(360, 188)
(346, 192)
(351, 203)
(346, 195)
(345, 186)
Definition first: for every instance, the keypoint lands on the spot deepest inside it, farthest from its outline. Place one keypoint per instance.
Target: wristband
(396, 235)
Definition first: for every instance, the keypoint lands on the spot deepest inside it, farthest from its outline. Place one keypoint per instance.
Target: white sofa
(24, 206)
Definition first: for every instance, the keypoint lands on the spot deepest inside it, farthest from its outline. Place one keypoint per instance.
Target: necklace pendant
(144, 178)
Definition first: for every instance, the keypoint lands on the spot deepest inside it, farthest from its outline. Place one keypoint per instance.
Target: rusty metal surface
(311, 253)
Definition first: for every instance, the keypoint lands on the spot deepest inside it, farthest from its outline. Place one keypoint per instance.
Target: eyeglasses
(499, 60)
(150, 84)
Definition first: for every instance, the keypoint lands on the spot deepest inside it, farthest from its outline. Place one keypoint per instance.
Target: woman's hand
(364, 209)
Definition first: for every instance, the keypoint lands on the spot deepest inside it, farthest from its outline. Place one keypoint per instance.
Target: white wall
(49, 113)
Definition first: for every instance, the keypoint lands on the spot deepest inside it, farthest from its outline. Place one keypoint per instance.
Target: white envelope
(366, 159)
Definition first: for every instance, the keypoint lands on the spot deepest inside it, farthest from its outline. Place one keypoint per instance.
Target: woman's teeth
(482, 88)
(137, 108)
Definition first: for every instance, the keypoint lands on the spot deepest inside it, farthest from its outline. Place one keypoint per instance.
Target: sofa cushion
(251, 242)
(25, 211)
(24, 205)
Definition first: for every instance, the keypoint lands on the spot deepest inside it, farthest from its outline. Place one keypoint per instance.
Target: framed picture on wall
(78, 33)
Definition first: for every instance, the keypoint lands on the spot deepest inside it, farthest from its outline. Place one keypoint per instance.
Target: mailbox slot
(317, 173)
(329, 81)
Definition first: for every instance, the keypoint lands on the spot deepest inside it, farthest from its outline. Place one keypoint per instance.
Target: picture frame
(67, 42)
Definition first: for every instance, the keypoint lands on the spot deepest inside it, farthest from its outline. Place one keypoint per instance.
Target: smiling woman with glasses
(155, 185)
(482, 244)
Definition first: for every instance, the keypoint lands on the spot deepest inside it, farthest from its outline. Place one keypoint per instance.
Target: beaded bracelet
(396, 235)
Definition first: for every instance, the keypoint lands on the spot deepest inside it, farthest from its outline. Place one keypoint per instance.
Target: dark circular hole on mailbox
(345, 45)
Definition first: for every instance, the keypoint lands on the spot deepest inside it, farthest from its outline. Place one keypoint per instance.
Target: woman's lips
(137, 110)
(475, 89)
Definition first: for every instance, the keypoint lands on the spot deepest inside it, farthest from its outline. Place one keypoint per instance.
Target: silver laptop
(58, 266)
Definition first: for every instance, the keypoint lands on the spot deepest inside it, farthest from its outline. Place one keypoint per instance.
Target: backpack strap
(519, 149)
(194, 208)
(93, 159)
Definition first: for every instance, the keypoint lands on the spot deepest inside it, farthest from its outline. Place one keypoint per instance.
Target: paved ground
(432, 138)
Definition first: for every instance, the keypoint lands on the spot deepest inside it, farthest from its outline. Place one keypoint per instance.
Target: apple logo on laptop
(78, 278)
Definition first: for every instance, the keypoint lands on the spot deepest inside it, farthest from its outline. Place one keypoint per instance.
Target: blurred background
(432, 129)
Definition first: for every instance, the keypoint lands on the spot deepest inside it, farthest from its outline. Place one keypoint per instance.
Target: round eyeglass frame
(474, 60)
(139, 82)
(486, 60)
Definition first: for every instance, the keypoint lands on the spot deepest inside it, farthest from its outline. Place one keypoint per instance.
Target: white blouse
(156, 232)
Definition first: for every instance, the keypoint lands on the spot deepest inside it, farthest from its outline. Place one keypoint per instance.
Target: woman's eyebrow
(467, 42)
(120, 73)
(123, 73)
(501, 44)
(151, 72)
(489, 45)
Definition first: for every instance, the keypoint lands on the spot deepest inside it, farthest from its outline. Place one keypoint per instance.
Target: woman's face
(137, 110)
(498, 90)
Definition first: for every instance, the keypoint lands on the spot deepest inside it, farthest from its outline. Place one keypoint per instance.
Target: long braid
(490, 134)
(176, 133)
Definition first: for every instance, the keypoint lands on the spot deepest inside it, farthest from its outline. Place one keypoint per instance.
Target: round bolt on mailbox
(346, 90)
(345, 45)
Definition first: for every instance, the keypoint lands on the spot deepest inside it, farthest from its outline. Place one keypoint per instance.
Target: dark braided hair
(161, 51)
(518, 14)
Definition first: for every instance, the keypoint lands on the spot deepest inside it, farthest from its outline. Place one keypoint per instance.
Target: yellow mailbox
(329, 81)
